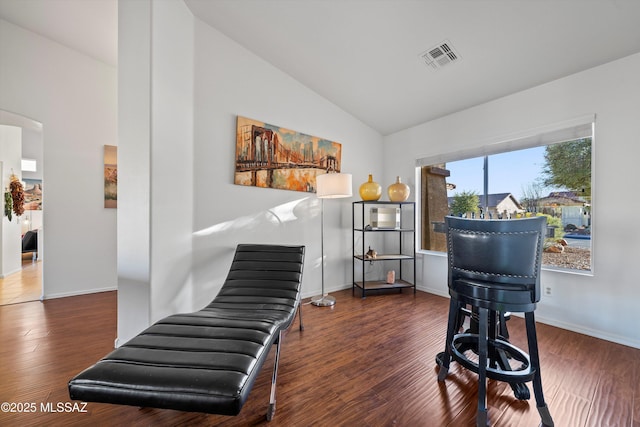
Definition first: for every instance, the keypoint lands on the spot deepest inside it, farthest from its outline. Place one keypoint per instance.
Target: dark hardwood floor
(364, 362)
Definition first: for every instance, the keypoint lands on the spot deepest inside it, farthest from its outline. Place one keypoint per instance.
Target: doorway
(21, 251)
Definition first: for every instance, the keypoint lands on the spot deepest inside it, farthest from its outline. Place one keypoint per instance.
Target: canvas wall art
(33, 194)
(273, 157)
(110, 176)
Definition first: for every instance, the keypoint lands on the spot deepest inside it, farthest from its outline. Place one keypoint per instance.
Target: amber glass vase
(370, 190)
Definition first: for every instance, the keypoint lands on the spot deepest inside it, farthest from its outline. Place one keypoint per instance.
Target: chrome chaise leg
(272, 399)
(300, 313)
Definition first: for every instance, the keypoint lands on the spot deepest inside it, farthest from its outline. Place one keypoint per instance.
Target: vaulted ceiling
(366, 56)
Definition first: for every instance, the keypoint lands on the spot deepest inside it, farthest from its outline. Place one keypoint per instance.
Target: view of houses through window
(552, 180)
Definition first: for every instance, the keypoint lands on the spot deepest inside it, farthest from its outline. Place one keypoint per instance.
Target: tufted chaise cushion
(206, 361)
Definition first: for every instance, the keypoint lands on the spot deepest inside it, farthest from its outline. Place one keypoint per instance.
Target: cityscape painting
(273, 157)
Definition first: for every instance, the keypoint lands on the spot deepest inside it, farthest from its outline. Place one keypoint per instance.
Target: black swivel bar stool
(494, 267)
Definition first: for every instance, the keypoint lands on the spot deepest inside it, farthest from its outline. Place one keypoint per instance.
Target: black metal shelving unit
(397, 246)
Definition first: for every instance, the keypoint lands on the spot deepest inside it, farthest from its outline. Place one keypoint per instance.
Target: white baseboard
(77, 293)
(349, 286)
(438, 292)
(3, 276)
(618, 339)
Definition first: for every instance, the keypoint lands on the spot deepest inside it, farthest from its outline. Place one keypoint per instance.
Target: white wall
(134, 168)
(604, 304)
(181, 86)
(155, 205)
(10, 155)
(171, 158)
(231, 81)
(31, 149)
(74, 97)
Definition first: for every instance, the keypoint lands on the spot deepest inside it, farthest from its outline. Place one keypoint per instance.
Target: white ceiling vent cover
(440, 55)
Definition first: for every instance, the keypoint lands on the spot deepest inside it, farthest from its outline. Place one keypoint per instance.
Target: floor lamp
(330, 185)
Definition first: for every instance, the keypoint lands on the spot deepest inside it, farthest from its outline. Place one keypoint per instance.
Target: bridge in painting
(260, 149)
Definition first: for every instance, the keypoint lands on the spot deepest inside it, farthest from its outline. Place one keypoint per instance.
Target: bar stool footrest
(501, 349)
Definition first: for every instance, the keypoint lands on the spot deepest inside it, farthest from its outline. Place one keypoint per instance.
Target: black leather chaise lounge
(30, 243)
(207, 361)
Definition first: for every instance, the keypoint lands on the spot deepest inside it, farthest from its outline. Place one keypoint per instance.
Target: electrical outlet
(548, 291)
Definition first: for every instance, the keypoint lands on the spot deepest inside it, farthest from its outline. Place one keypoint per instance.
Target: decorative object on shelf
(17, 194)
(398, 191)
(269, 156)
(391, 277)
(370, 190)
(371, 254)
(384, 218)
(331, 185)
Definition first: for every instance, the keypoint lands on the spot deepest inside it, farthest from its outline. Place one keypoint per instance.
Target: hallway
(25, 285)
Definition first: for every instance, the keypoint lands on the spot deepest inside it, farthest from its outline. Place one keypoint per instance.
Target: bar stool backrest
(500, 251)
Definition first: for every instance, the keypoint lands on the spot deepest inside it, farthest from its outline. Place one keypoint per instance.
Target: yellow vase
(398, 192)
(370, 190)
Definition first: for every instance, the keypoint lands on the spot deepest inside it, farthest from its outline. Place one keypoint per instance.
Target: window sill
(552, 269)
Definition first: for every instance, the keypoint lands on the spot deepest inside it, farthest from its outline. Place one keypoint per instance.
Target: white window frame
(568, 130)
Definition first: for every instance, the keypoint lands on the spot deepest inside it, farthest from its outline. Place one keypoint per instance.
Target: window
(29, 165)
(546, 174)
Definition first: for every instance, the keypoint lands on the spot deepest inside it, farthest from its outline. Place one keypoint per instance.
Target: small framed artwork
(110, 176)
(32, 194)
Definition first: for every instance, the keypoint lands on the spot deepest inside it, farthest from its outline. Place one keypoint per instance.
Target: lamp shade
(333, 185)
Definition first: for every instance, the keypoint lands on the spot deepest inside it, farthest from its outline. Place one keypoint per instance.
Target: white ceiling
(363, 55)
(89, 26)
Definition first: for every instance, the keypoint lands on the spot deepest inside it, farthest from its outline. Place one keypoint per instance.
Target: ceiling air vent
(440, 55)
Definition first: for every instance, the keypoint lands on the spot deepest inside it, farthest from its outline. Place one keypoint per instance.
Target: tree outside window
(552, 180)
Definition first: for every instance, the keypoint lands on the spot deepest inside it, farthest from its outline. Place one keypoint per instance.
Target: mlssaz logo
(63, 407)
